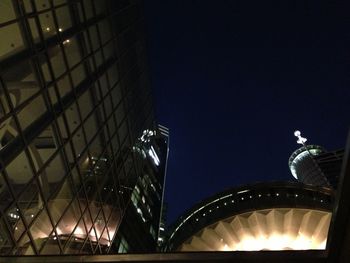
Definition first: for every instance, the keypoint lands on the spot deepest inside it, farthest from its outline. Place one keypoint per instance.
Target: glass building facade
(75, 99)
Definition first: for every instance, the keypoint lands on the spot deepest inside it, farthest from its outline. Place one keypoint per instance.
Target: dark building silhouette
(77, 131)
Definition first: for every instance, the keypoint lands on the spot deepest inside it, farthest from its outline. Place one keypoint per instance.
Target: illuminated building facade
(75, 103)
(266, 216)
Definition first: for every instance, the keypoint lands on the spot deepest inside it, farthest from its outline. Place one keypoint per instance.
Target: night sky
(232, 81)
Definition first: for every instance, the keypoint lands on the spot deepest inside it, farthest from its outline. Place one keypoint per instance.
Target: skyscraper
(75, 101)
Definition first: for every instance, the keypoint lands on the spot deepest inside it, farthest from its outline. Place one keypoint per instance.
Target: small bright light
(47, 29)
(60, 29)
(297, 133)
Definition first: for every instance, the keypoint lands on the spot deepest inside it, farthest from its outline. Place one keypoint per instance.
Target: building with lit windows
(79, 146)
(141, 224)
(265, 216)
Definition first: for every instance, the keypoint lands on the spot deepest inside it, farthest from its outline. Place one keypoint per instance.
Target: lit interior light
(270, 239)
(48, 29)
(60, 29)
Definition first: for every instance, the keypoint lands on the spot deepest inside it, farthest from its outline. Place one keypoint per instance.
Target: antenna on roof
(301, 140)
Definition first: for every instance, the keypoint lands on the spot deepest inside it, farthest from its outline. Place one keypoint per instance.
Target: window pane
(13, 41)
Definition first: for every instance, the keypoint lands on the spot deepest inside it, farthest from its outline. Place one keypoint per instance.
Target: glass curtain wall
(74, 97)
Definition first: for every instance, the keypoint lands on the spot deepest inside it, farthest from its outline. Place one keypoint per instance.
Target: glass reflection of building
(74, 101)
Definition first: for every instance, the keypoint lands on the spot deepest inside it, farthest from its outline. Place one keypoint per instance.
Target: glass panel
(68, 222)
(41, 229)
(72, 116)
(8, 132)
(88, 8)
(25, 247)
(41, 4)
(34, 29)
(94, 37)
(46, 22)
(7, 11)
(108, 50)
(13, 41)
(113, 78)
(108, 106)
(19, 171)
(72, 52)
(90, 127)
(100, 6)
(78, 74)
(104, 85)
(63, 86)
(57, 61)
(50, 247)
(79, 142)
(85, 104)
(31, 112)
(63, 18)
(5, 239)
(77, 240)
(5, 196)
(52, 176)
(30, 202)
(43, 147)
(62, 128)
(98, 58)
(105, 31)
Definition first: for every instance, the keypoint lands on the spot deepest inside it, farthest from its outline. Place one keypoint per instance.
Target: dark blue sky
(234, 79)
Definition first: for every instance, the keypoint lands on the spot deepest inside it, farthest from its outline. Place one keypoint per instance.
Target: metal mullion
(86, 229)
(51, 8)
(15, 199)
(56, 132)
(77, 223)
(28, 156)
(124, 96)
(69, 74)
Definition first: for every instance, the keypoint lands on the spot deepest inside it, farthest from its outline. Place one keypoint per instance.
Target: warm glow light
(273, 229)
